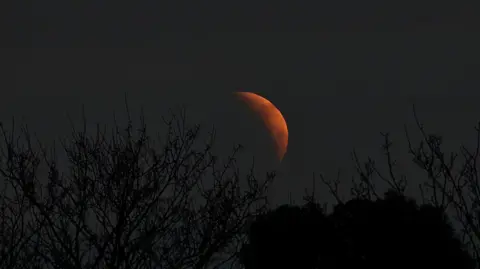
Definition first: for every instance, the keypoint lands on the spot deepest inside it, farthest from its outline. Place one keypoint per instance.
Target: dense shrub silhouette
(286, 238)
(392, 232)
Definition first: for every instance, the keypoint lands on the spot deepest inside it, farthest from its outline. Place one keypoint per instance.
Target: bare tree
(124, 202)
(16, 228)
(451, 180)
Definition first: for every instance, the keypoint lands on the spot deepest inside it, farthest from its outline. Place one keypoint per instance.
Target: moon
(272, 118)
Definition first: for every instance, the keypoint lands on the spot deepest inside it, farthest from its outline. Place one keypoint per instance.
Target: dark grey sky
(340, 73)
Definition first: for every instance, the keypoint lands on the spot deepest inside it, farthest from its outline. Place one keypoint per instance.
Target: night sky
(341, 73)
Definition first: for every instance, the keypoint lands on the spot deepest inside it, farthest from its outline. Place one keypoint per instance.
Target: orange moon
(272, 118)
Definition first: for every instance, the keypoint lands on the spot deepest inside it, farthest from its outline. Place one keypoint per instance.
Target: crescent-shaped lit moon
(272, 118)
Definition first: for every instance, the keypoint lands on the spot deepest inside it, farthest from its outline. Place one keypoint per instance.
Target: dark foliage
(286, 238)
(392, 232)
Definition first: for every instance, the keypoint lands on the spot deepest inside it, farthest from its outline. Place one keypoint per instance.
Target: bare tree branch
(124, 202)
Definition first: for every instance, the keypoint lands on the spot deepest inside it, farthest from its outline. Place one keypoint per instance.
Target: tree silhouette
(392, 232)
(450, 178)
(124, 202)
(288, 237)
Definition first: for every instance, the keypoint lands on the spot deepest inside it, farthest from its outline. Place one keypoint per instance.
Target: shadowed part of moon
(272, 118)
